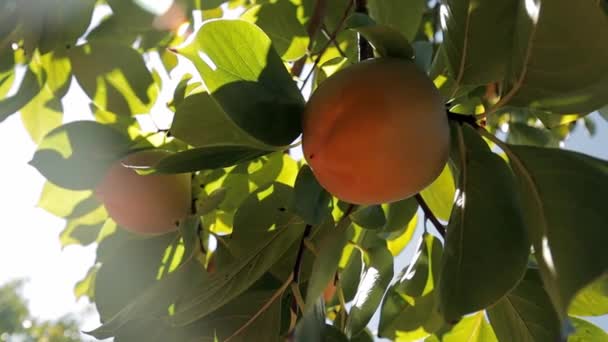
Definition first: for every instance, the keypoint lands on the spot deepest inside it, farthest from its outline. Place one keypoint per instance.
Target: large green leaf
(220, 325)
(386, 40)
(28, 89)
(133, 267)
(403, 15)
(280, 22)
(471, 329)
(115, 77)
(486, 249)
(563, 195)
(477, 38)
(312, 202)
(326, 263)
(585, 331)
(556, 65)
(62, 202)
(57, 71)
(236, 61)
(376, 278)
(228, 283)
(200, 121)
(42, 114)
(204, 158)
(592, 300)
(410, 304)
(64, 22)
(526, 313)
(440, 194)
(76, 155)
(398, 216)
(84, 229)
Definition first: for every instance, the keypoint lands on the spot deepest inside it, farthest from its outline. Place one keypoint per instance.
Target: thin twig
(326, 45)
(429, 214)
(298, 265)
(297, 295)
(264, 307)
(315, 22)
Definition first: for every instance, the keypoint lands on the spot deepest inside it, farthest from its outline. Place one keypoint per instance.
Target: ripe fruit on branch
(376, 132)
(144, 204)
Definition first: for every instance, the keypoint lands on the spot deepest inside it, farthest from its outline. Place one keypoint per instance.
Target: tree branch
(298, 265)
(316, 20)
(329, 42)
(429, 214)
(365, 49)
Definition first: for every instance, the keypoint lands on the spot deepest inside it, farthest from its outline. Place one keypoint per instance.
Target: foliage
(524, 256)
(17, 323)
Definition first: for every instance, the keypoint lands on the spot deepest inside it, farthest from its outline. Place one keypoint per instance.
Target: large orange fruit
(150, 204)
(376, 132)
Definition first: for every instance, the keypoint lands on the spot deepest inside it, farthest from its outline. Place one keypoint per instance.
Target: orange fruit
(144, 204)
(376, 132)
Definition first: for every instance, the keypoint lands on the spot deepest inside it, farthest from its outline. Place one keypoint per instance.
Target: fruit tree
(303, 151)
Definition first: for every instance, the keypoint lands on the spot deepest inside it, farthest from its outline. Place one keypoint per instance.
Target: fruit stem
(429, 215)
(365, 49)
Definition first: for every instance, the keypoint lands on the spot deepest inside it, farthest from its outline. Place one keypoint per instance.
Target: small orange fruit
(144, 204)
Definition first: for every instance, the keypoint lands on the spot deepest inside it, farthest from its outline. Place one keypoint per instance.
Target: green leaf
(312, 202)
(375, 280)
(440, 194)
(64, 22)
(228, 283)
(42, 114)
(523, 134)
(326, 262)
(84, 230)
(387, 41)
(592, 300)
(562, 193)
(58, 73)
(410, 305)
(477, 39)
(204, 158)
(557, 67)
(398, 217)
(268, 208)
(61, 202)
(236, 60)
(402, 15)
(147, 298)
(76, 155)
(482, 260)
(526, 313)
(132, 267)
(369, 217)
(280, 22)
(471, 329)
(28, 89)
(201, 122)
(114, 76)
(585, 331)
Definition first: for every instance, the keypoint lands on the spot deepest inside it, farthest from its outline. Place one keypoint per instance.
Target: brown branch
(298, 265)
(429, 215)
(329, 42)
(316, 20)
